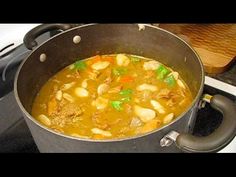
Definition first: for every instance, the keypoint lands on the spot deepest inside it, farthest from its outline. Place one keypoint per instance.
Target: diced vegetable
(119, 71)
(102, 88)
(80, 65)
(101, 132)
(161, 72)
(117, 105)
(149, 87)
(44, 119)
(126, 92)
(135, 59)
(126, 79)
(144, 114)
(151, 125)
(100, 65)
(151, 65)
(100, 103)
(125, 99)
(81, 92)
(68, 97)
(170, 80)
(168, 118)
(122, 60)
(157, 106)
(59, 95)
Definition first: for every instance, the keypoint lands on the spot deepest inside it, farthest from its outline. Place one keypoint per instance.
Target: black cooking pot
(144, 40)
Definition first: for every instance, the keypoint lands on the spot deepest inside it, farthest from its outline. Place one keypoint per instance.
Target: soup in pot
(111, 97)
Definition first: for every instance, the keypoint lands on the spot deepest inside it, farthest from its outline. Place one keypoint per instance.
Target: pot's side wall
(50, 142)
(106, 39)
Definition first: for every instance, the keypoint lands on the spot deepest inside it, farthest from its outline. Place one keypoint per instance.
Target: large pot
(149, 41)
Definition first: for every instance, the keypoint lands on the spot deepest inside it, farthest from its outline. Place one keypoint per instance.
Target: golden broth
(111, 97)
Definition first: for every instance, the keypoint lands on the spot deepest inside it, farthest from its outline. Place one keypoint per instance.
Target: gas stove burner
(8, 67)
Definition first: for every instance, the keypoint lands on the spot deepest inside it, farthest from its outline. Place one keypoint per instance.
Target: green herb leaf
(170, 80)
(126, 92)
(117, 105)
(162, 72)
(119, 71)
(80, 65)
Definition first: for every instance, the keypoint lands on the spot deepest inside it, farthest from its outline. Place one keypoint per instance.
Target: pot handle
(29, 39)
(220, 137)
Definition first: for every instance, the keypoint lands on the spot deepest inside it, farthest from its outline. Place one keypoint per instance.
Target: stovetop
(15, 135)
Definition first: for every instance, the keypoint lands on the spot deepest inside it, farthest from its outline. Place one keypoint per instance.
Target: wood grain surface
(215, 43)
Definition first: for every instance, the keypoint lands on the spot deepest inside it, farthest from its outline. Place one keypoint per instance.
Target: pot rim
(28, 115)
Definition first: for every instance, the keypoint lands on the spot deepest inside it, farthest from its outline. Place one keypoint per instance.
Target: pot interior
(101, 39)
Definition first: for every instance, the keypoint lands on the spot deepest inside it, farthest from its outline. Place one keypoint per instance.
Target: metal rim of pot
(185, 142)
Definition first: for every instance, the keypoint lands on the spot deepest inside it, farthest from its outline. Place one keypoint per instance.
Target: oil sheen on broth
(111, 97)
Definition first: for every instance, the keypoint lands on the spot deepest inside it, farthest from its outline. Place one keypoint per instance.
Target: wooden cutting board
(215, 43)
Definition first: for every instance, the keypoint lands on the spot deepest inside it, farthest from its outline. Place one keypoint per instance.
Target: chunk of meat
(164, 93)
(151, 65)
(70, 110)
(99, 121)
(52, 107)
(100, 103)
(66, 115)
(108, 75)
(122, 60)
(151, 125)
(149, 74)
(116, 89)
(144, 114)
(94, 74)
(143, 96)
(149, 87)
(128, 108)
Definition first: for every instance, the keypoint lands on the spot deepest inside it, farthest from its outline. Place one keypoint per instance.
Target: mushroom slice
(157, 106)
(149, 87)
(144, 114)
